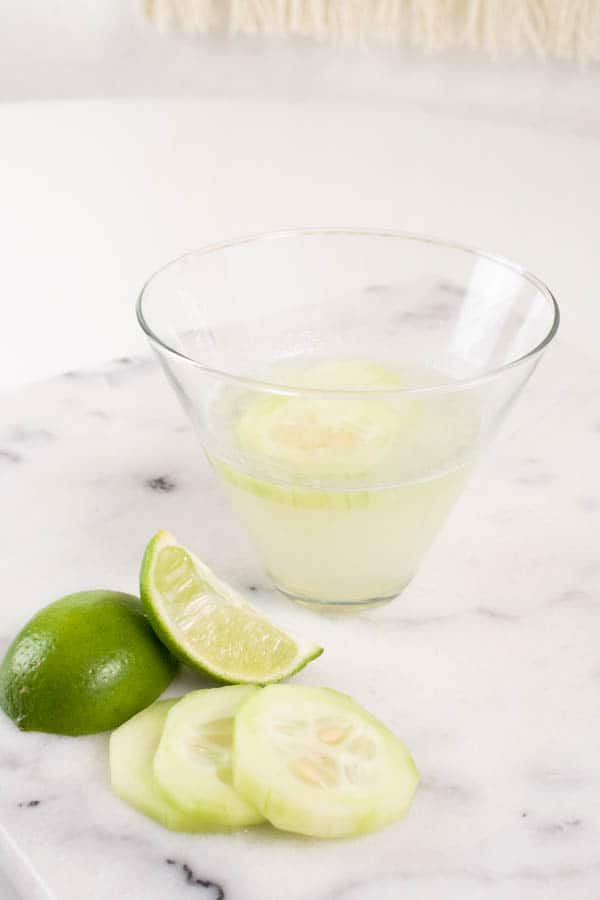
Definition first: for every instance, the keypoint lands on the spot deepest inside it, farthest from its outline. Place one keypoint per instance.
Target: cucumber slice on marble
(313, 761)
(131, 751)
(192, 764)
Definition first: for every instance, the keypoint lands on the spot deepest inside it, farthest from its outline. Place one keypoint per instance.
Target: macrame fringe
(566, 29)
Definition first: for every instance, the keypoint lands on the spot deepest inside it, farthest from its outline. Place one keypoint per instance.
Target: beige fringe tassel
(566, 29)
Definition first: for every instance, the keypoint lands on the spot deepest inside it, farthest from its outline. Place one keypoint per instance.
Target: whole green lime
(85, 663)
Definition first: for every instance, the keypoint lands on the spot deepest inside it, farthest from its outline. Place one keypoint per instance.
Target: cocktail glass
(343, 384)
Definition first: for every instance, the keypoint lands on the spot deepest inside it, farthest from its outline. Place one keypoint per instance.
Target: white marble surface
(487, 666)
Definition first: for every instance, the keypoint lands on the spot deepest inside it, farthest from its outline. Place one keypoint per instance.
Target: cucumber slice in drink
(131, 750)
(314, 762)
(192, 764)
(315, 435)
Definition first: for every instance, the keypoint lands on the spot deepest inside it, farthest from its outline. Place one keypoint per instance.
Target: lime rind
(83, 665)
(223, 613)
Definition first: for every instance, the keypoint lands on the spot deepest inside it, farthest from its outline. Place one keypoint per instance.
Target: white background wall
(61, 49)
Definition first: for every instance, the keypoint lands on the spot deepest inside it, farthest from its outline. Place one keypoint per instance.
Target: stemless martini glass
(343, 384)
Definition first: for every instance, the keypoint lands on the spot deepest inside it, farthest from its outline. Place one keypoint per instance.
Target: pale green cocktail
(342, 495)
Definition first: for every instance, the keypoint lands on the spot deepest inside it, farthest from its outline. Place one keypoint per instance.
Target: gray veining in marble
(488, 666)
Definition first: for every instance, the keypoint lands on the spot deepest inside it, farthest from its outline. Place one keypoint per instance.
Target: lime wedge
(208, 625)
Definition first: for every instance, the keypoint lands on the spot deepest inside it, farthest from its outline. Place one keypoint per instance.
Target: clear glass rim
(272, 387)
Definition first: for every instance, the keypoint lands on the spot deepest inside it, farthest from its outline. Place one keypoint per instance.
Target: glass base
(342, 606)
